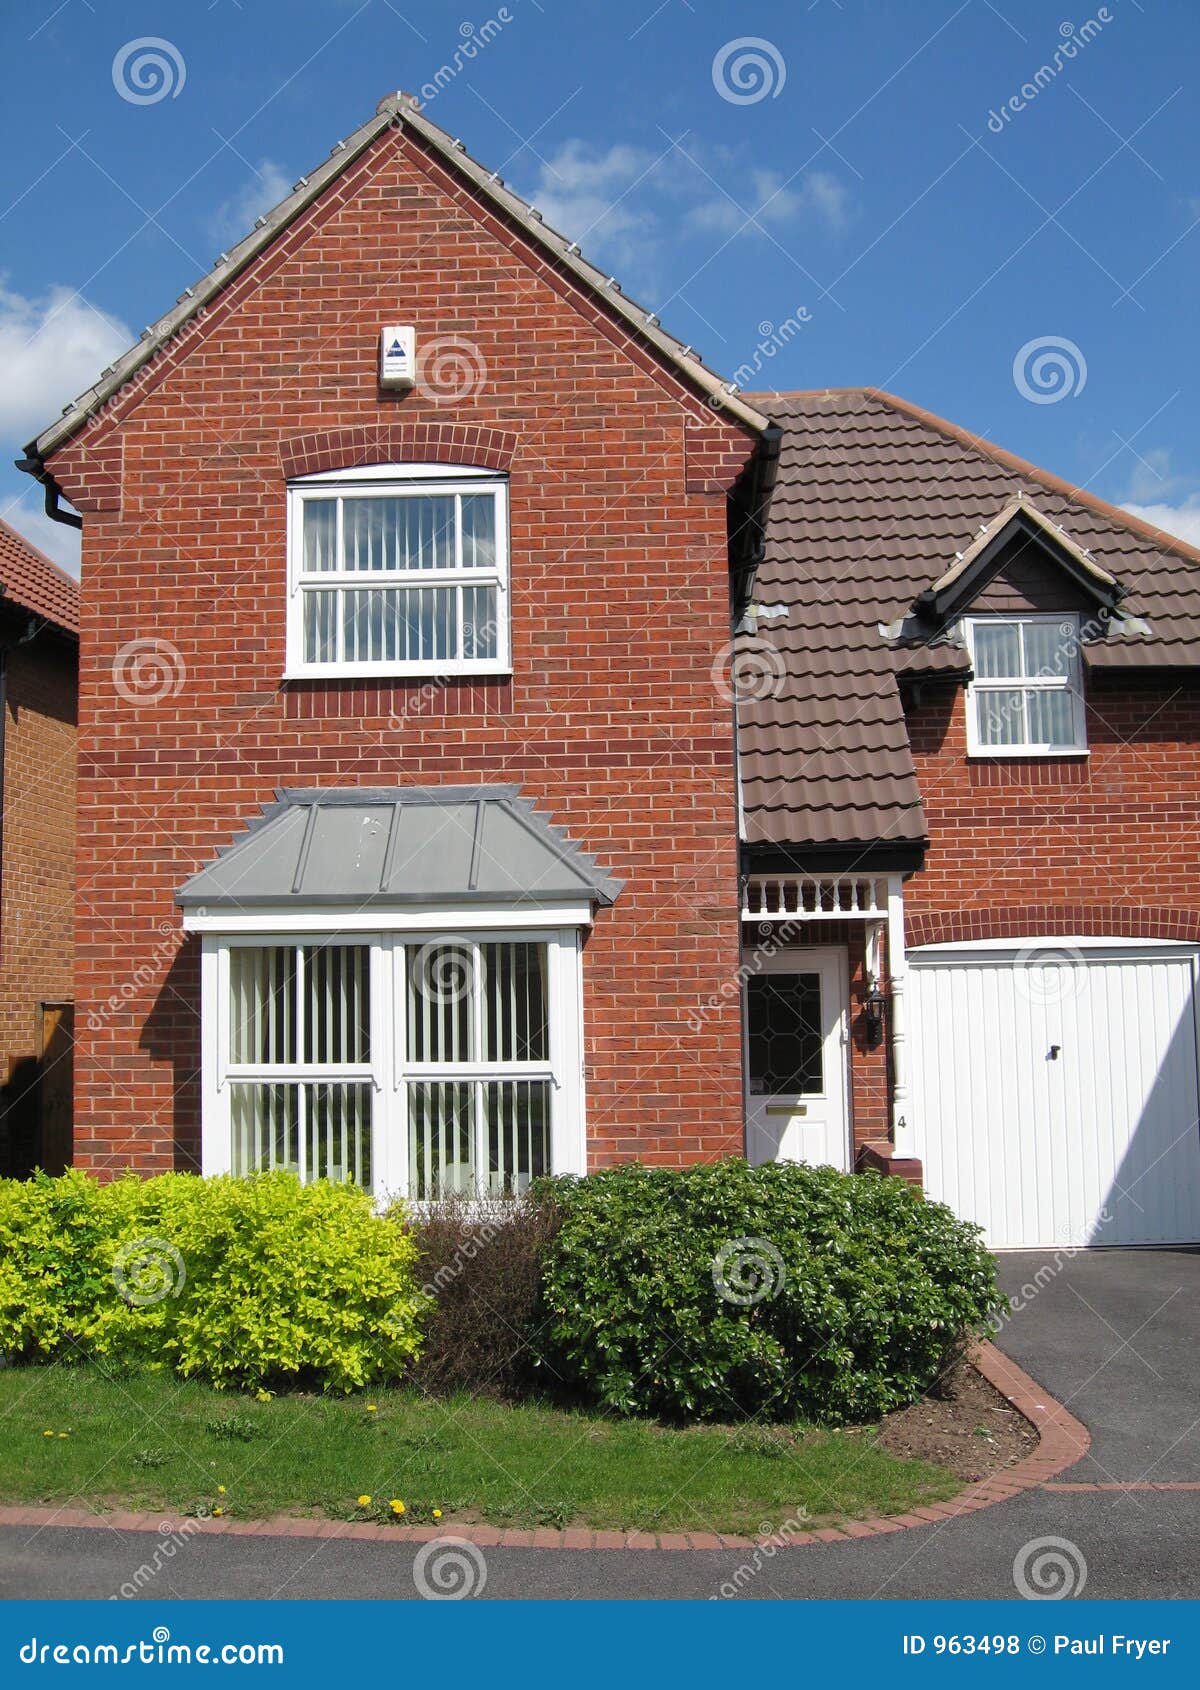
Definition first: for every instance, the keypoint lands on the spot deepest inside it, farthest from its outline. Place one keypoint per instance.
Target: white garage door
(1055, 1090)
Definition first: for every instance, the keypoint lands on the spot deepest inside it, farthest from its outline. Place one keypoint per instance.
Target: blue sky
(834, 193)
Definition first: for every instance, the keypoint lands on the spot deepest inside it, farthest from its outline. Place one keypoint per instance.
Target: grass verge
(149, 1441)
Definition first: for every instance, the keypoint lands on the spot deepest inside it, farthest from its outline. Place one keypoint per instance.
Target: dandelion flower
(218, 1510)
(64, 1434)
(47, 1434)
(364, 1501)
(220, 1490)
(396, 1506)
(437, 1513)
(372, 1409)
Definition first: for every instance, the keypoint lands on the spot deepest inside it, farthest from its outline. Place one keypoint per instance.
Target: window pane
(265, 1122)
(441, 1138)
(320, 627)
(480, 631)
(516, 1026)
(997, 650)
(1048, 648)
(412, 533)
(517, 1123)
(1051, 714)
(479, 530)
(394, 625)
(440, 1002)
(337, 1006)
(262, 1004)
(1001, 716)
(784, 1034)
(338, 1136)
(320, 534)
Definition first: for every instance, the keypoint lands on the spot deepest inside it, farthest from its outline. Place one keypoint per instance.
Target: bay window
(412, 1065)
(398, 570)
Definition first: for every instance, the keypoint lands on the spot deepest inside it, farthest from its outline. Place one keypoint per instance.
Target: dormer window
(1026, 697)
(398, 570)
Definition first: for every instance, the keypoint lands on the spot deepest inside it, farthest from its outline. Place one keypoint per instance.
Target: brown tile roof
(30, 580)
(872, 500)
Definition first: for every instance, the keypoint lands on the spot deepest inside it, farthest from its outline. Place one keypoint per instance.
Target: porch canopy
(361, 847)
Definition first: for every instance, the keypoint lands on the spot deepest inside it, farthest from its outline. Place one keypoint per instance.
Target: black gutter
(863, 856)
(33, 465)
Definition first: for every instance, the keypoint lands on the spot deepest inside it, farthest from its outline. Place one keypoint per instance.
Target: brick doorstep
(1063, 1441)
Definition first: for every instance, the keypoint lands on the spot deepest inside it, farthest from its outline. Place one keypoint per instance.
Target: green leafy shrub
(255, 1282)
(784, 1291)
(481, 1264)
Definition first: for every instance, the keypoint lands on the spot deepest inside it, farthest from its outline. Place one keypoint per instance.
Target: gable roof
(30, 580)
(359, 847)
(954, 588)
(873, 499)
(398, 111)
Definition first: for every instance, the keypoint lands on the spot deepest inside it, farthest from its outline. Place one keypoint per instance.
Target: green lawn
(149, 1441)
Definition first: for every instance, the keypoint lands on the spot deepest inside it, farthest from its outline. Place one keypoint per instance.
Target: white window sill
(1030, 753)
(402, 672)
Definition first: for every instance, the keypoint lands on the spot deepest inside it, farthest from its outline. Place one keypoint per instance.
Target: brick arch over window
(398, 443)
(1035, 921)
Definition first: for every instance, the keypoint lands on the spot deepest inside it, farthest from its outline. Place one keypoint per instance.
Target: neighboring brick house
(39, 644)
(412, 829)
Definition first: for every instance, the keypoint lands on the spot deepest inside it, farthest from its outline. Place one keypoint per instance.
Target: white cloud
(56, 539)
(1182, 520)
(234, 219)
(627, 206)
(51, 348)
(773, 200)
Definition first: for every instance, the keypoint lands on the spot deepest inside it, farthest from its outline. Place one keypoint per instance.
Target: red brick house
(39, 641)
(438, 828)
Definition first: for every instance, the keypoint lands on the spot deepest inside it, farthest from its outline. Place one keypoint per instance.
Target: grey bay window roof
(354, 848)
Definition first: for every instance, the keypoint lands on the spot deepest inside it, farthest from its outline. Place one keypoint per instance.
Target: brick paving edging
(1063, 1440)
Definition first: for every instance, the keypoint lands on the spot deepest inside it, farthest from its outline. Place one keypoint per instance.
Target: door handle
(1052, 1054)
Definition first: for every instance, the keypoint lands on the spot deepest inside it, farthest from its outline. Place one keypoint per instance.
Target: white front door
(795, 1029)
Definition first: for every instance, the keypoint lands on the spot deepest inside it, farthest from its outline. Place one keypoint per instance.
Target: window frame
(388, 1070)
(384, 481)
(1071, 683)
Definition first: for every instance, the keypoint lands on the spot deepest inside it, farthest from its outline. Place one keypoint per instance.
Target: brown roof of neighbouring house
(873, 499)
(30, 580)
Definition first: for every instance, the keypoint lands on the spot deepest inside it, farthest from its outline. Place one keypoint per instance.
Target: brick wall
(611, 721)
(36, 884)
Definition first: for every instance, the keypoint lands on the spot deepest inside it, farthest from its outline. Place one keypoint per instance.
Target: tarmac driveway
(1112, 1334)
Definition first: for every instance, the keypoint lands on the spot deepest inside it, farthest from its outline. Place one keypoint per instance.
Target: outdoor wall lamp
(874, 1005)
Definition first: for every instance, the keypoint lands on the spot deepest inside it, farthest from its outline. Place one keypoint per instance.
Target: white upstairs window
(398, 570)
(1026, 697)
